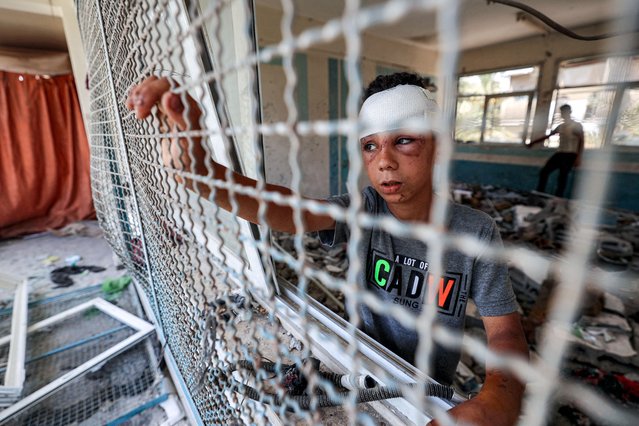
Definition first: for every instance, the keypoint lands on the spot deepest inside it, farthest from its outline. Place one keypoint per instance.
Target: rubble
(594, 337)
(332, 260)
(614, 250)
(543, 222)
(295, 345)
(605, 334)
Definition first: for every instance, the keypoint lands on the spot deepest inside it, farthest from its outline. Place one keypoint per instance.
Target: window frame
(215, 242)
(618, 90)
(527, 124)
(531, 93)
(616, 109)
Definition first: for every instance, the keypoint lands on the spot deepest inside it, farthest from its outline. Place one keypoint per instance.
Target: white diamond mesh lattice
(209, 277)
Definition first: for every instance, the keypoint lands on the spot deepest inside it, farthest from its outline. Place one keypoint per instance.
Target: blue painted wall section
(519, 175)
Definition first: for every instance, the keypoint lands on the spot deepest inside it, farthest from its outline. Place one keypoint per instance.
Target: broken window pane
(485, 112)
(590, 106)
(592, 87)
(508, 81)
(627, 129)
(470, 111)
(506, 119)
(598, 71)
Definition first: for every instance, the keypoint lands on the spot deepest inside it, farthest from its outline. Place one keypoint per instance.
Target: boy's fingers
(173, 106)
(133, 92)
(156, 91)
(146, 95)
(129, 99)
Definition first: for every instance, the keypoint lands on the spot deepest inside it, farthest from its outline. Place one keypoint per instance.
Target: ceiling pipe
(556, 26)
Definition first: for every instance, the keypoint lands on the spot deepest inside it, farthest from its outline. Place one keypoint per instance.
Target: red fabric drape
(44, 155)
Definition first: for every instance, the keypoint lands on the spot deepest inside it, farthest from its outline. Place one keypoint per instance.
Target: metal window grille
(208, 276)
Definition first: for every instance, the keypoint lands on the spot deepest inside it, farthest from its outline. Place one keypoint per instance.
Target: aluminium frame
(143, 329)
(11, 389)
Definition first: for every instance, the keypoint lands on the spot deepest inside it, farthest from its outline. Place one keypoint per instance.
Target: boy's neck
(417, 210)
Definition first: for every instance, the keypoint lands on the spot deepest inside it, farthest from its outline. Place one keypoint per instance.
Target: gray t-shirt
(396, 270)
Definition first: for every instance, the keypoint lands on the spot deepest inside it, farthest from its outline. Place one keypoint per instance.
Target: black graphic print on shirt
(406, 280)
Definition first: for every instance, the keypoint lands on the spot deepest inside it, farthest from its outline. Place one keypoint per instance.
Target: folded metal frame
(143, 329)
(11, 389)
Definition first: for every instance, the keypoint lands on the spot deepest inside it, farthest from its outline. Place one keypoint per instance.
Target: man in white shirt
(568, 155)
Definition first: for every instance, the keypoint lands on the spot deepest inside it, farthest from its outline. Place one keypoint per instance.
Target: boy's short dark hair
(565, 107)
(385, 82)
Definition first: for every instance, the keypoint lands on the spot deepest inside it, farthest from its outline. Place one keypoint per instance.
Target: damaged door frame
(142, 328)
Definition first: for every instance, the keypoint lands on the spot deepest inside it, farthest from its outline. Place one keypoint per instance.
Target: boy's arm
(499, 401)
(189, 154)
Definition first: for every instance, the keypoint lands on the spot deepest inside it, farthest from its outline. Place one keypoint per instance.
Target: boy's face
(400, 165)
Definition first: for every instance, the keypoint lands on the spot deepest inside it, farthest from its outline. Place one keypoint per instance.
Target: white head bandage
(405, 107)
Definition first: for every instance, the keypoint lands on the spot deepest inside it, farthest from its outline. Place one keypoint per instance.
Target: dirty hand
(181, 113)
(156, 91)
(481, 411)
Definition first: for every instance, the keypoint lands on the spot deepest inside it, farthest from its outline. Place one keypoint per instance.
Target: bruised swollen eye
(368, 147)
(404, 141)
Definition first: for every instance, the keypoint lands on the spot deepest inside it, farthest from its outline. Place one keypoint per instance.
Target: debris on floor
(542, 221)
(79, 229)
(333, 260)
(50, 260)
(605, 334)
(62, 276)
(114, 287)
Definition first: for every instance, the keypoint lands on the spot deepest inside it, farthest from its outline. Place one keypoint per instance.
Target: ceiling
(481, 23)
(31, 30)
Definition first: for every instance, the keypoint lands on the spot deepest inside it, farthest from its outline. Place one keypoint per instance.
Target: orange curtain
(44, 155)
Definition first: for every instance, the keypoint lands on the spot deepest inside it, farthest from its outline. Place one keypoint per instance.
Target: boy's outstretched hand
(156, 91)
(181, 113)
(188, 153)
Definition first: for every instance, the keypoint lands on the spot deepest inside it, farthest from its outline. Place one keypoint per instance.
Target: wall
(321, 92)
(515, 167)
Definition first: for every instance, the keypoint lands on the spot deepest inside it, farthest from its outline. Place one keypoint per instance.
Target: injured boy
(399, 163)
